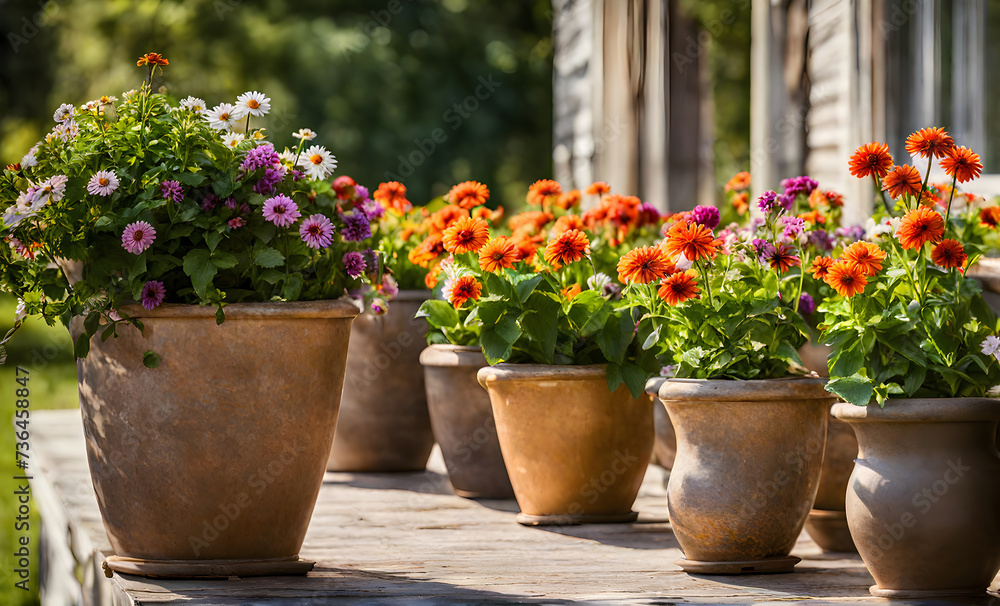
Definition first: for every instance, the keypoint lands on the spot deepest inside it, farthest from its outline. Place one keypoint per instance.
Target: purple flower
(138, 236)
(237, 222)
(767, 202)
(611, 291)
(799, 185)
(373, 210)
(356, 227)
(316, 232)
(230, 203)
(297, 175)
(389, 287)
(706, 215)
(354, 263)
(272, 176)
(172, 189)
(379, 307)
(260, 157)
(786, 201)
(763, 248)
(821, 239)
(806, 304)
(209, 202)
(361, 192)
(153, 293)
(793, 227)
(281, 210)
(853, 233)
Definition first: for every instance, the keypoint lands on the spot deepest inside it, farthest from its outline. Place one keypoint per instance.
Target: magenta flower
(172, 189)
(138, 237)
(236, 223)
(316, 232)
(281, 210)
(152, 294)
(354, 263)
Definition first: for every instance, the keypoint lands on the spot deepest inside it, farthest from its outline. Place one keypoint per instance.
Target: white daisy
(64, 113)
(286, 157)
(52, 189)
(317, 162)
(222, 116)
(253, 102)
(598, 281)
(29, 159)
(103, 183)
(91, 106)
(990, 345)
(194, 104)
(66, 131)
(232, 139)
(19, 312)
(128, 96)
(305, 134)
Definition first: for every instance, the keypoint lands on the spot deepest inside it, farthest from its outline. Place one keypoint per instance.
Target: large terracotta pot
(827, 522)
(665, 445)
(575, 452)
(462, 419)
(210, 464)
(749, 455)
(924, 499)
(384, 424)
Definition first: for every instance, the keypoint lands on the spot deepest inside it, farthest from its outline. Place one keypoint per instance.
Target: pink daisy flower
(152, 294)
(102, 183)
(316, 231)
(138, 237)
(281, 210)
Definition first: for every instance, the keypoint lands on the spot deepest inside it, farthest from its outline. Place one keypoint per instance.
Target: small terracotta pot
(665, 445)
(462, 419)
(924, 497)
(827, 522)
(384, 424)
(210, 464)
(575, 452)
(749, 455)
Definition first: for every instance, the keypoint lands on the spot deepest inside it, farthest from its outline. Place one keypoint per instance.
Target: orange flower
(989, 216)
(866, 256)
(622, 210)
(679, 287)
(569, 199)
(820, 267)
(468, 195)
(598, 188)
(446, 217)
(498, 253)
(739, 182)
(782, 259)
(920, 226)
(962, 163)
(484, 213)
(532, 219)
(542, 191)
(572, 291)
(813, 216)
(430, 249)
(570, 247)
(692, 239)
(929, 141)
(464, 289)
(644, 265)
(741, 202)
(902, 180)
(392, 196)
(871, 159)
(846, 278)
(949, 253)
(526, 245)
(466, 235)
(151, 59)
(564, 224)
(431, 279)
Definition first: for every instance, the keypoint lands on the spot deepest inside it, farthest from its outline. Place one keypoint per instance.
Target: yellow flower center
(316, 159)
(102, 181)
(252, 104)
(223, 117)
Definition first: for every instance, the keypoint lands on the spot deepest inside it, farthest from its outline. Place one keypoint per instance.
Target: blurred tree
(430, 91)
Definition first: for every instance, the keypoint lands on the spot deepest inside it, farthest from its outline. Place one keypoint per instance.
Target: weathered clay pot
(462, 419)
(575, 452)
(384, 424)
(827, 522)
(665, 445)
(210, 464)
(814, 357)
(749, 455)
(924, 497)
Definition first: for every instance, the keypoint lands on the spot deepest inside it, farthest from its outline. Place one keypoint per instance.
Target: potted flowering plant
(151, 222)
(566, 377)
(914, 348)
(726, 311)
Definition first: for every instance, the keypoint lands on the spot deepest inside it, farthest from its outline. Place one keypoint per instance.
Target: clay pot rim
(921, 410)
(653, 385)
(324, 308)
(796, 388)
(525, 372)
(448, 355)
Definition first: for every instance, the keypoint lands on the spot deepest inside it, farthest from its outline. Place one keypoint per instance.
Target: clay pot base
(206, 569)
(829, 530)
(763, 566)
(565, 519)
(468, 494)
(878, 592)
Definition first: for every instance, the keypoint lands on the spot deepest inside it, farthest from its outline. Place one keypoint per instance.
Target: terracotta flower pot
(924, 499)
(462, 420)
(210, 464)
(575, 452)
(827, 522)
(384, 424)
(665, 445)
(748, 462)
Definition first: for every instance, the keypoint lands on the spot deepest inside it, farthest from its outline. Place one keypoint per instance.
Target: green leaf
(614, 377)
(293, 287)
(635, 379)
(139, 267)
(223, 260)
(525, 288)
(589, 311)
(498, 340)
(615, 337)
(856, 389)
(268, 257)
(82, 346)
(150, 359)
(198, 264)
(495, 285)
(213, 238)
(92, 322)
(438, 313)
(193, 179)
(914, 379)
(848, 361)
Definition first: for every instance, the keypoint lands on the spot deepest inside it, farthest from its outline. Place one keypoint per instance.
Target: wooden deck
(406, 538)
